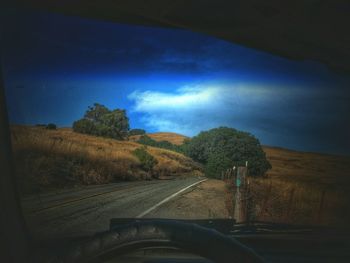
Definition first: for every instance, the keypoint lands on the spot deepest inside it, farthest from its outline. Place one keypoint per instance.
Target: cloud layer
(191, 109)
(298, 118)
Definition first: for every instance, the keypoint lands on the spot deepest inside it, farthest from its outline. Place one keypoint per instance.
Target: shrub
(229, 145)
(136, 132)
(146, 159)
(146, 140)
(51, 126)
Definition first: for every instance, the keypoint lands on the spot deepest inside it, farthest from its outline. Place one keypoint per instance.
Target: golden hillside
(56, 158)
(171, 137)
(316, 168)
(303, 188)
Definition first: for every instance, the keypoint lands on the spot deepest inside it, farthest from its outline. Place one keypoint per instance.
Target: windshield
(112, 121)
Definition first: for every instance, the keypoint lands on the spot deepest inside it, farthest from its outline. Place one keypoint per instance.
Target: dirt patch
(206, 200)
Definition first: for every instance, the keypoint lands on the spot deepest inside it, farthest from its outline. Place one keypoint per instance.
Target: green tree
(100, 121)
(96, 112)
(217, 163)
(231, 146)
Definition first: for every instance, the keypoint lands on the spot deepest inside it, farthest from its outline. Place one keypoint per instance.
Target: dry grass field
(322, 170)
(171, 137)
(46, 159)
(303, 188)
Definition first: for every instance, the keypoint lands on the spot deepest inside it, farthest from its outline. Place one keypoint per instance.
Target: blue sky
(169, 80)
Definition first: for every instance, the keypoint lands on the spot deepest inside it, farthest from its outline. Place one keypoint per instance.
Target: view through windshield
(112, 121)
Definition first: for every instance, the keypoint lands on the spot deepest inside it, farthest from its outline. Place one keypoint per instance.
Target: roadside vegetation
(222, 148)
(50, 159)
(147, 160)
(146, 140)
(302, 188)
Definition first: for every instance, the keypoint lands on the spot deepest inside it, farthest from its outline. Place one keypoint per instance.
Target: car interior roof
(298, 30)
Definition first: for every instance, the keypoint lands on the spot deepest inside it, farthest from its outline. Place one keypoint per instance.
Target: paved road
(86, 211)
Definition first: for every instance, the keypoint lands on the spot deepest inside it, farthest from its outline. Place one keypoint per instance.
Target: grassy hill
(47, 159)
(323, 170)
(303, 188)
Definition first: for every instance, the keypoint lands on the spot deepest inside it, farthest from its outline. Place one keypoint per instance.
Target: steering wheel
(190, 237)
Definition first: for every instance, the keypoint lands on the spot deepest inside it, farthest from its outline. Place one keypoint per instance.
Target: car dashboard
(274, 242)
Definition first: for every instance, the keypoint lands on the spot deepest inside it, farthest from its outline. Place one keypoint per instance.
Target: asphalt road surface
(88, 210)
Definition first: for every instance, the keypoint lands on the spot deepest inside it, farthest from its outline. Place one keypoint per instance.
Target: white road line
(167, 199)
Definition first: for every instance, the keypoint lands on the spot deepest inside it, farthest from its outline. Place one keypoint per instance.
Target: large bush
(222, 148)
(147, 160)
(217, 163)
(101, 121)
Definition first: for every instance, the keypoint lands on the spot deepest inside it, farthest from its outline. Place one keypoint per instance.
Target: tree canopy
(101, 121)
(222, 148)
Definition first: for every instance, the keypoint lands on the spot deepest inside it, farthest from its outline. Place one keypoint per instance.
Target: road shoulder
(205, 200)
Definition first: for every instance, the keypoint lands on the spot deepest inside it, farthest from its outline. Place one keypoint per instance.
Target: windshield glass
(124, 121)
